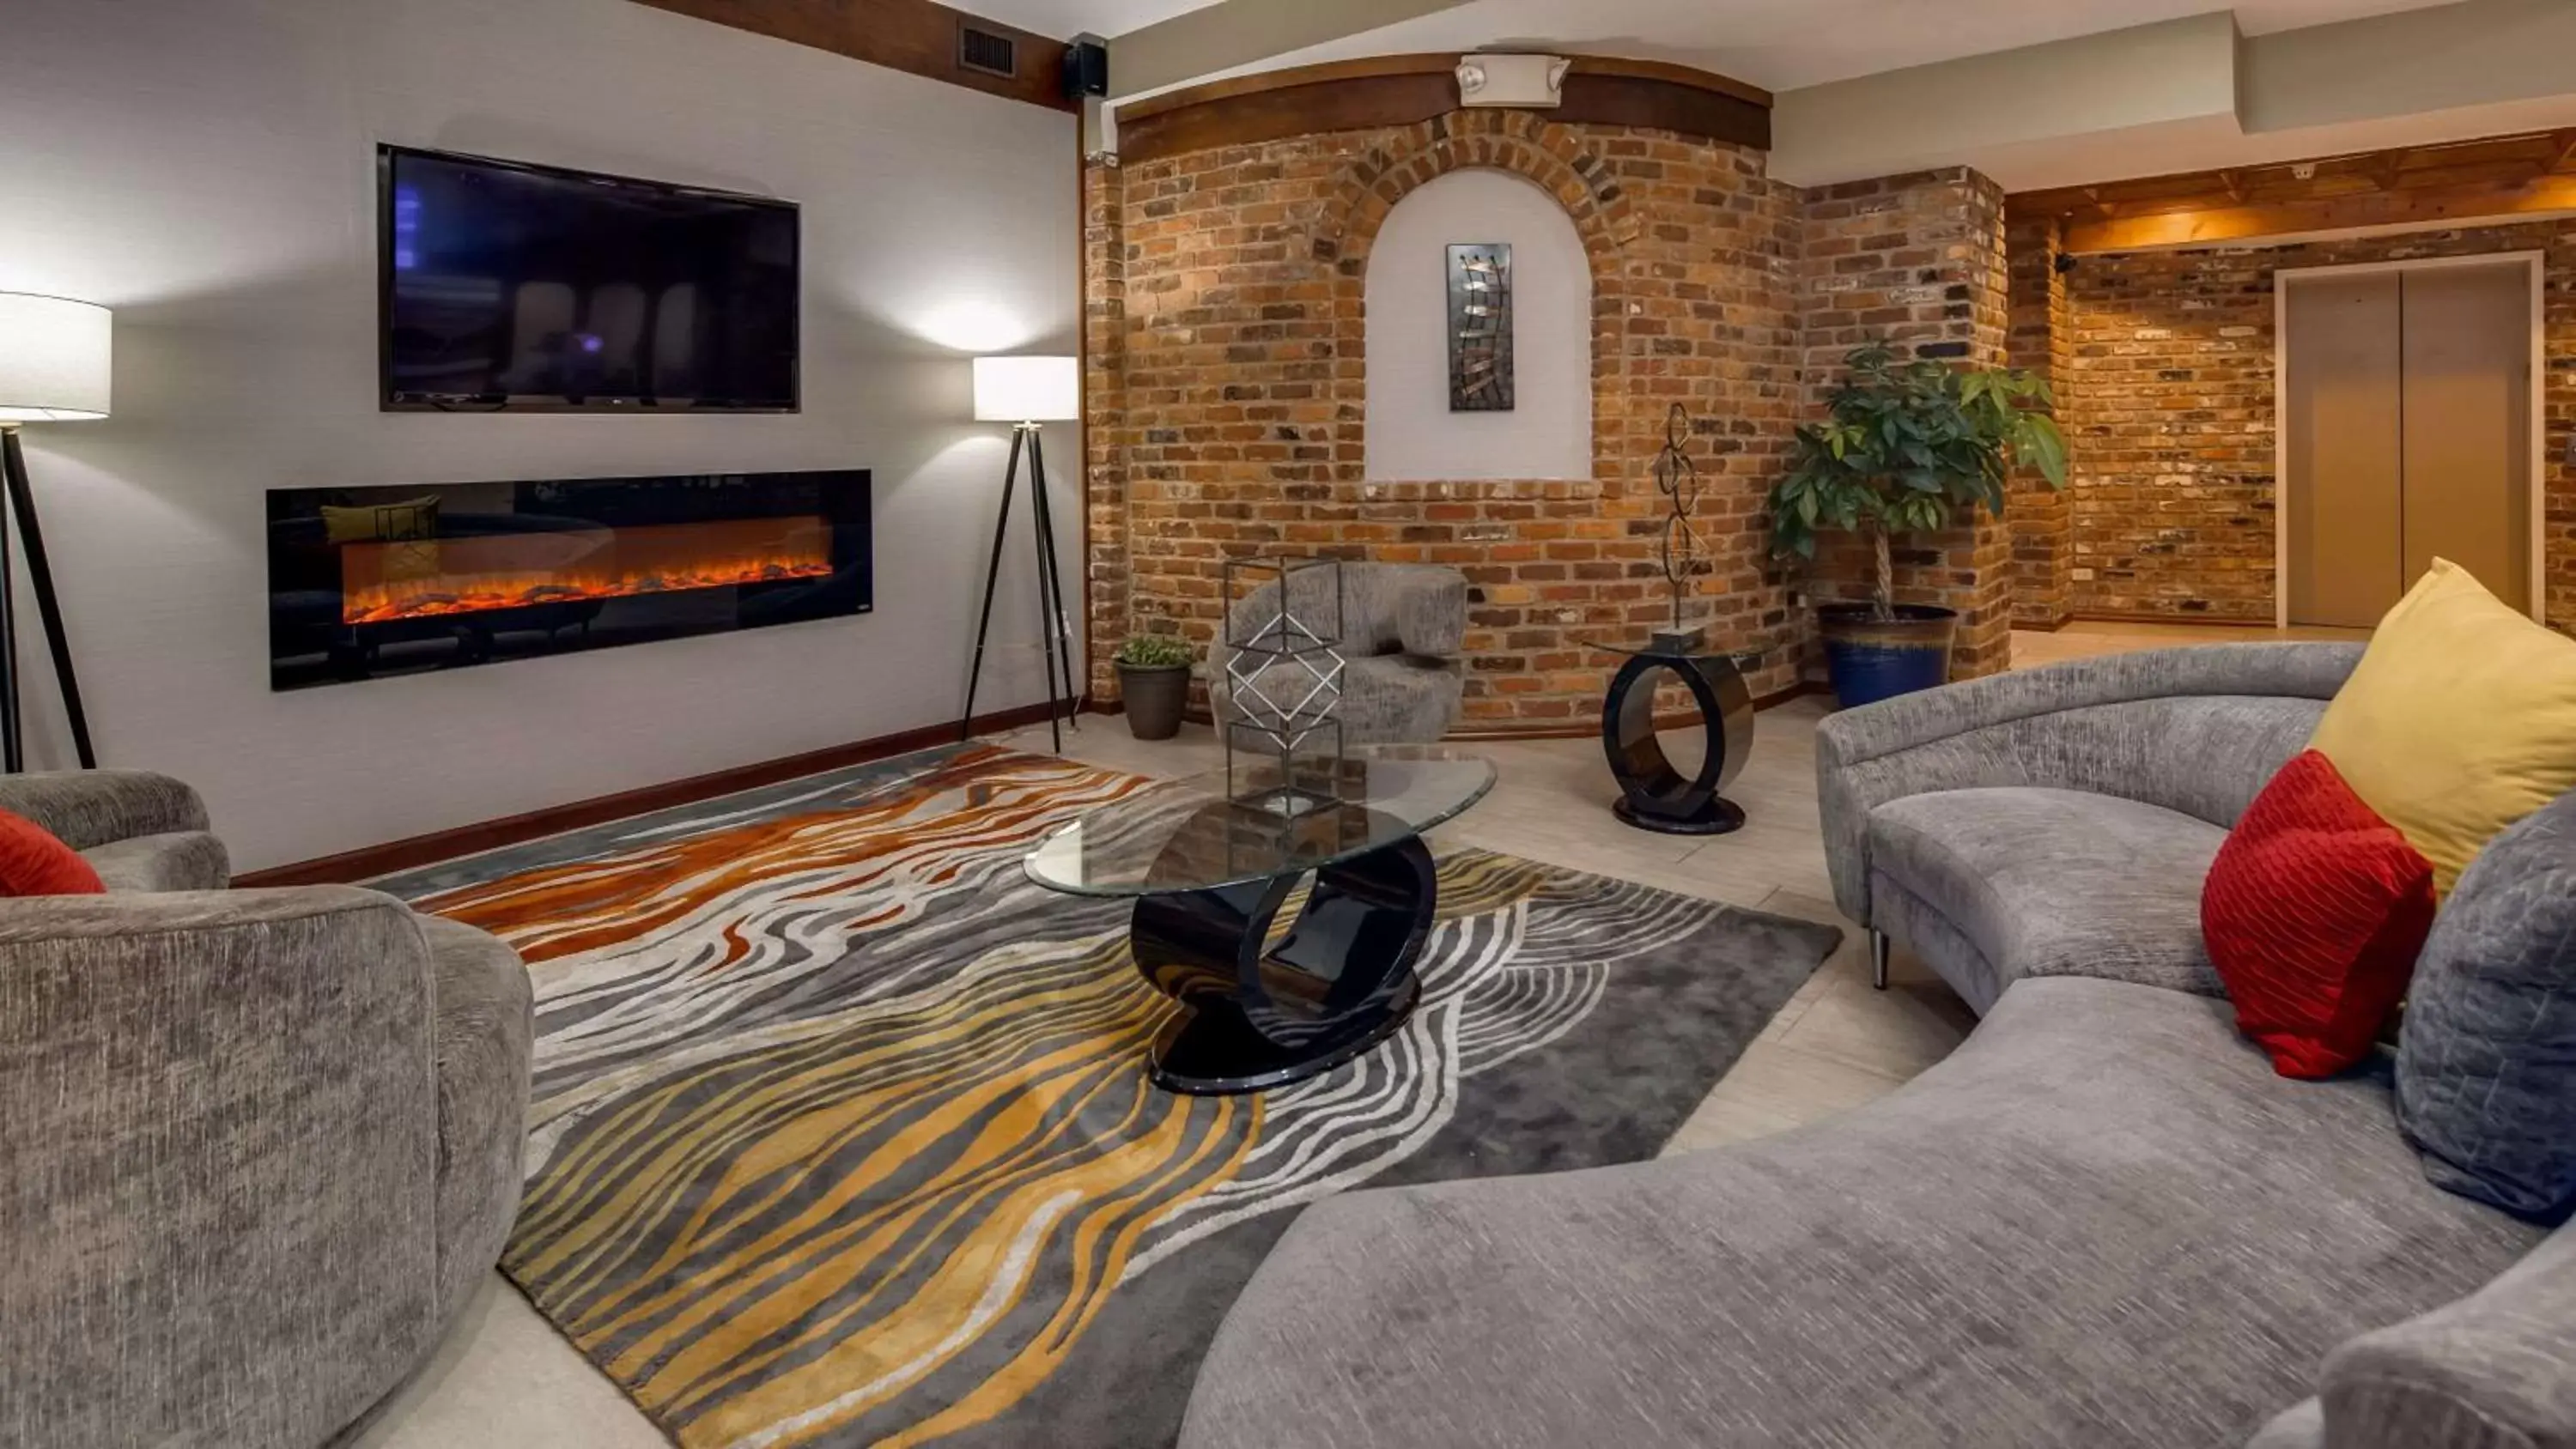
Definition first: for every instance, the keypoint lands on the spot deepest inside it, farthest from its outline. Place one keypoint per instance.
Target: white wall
(1411, 432)
(206, 167)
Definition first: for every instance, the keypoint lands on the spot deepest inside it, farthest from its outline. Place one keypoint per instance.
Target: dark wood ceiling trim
(1404, 90)
(918, 36)
(2498, 178)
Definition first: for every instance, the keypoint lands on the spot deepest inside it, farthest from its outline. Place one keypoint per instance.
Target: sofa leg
(1879, 946)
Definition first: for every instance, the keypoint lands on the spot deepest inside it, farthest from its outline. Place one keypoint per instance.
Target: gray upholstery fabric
(2104, 1222)
(483, 1028)
(88, 808)
(2051, 883)
(258, 1145)
(2302, 1426)
(1401, 626)
(2496, 1370)
(2199, 731)
(2486, 1070)
(219, 1117)
(181, 860)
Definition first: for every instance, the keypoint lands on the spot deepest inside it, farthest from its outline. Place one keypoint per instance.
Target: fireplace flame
(431, 578)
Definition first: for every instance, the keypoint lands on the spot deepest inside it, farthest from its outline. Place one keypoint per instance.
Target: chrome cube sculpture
(1282, 724)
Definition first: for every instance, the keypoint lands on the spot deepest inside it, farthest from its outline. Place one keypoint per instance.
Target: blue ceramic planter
(1874, 659)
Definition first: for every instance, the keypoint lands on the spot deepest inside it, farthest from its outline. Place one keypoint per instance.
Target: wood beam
(1404, 90)
(917, 36)
(2209, 226)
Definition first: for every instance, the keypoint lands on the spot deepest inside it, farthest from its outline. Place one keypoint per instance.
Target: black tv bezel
(394, 400)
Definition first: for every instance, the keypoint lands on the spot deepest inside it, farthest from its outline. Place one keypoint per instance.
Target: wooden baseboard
(1590, 728)
(2201, 621)
(2058, 624)
(419, 850)
(372, 861)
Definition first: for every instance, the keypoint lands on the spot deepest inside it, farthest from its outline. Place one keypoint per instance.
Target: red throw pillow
(34, 863)
(2313, 914)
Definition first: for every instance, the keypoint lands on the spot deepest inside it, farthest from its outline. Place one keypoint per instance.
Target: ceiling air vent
(982, 50)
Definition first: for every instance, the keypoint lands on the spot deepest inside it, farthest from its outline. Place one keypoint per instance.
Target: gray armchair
(2061, 821)
(260, 1144)
(1402, 628)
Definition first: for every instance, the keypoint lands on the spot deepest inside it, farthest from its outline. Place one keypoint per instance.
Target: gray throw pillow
(2486, 1062)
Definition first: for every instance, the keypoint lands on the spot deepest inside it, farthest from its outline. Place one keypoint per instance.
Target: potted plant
(1154, 681)
(1904, 446)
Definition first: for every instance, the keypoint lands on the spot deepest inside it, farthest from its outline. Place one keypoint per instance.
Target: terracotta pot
(1874, 659)
(1154, 699)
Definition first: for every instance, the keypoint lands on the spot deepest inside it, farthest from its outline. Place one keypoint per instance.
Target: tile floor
(505, 1379)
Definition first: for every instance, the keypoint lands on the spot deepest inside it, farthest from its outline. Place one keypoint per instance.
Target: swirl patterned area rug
(841, 1133)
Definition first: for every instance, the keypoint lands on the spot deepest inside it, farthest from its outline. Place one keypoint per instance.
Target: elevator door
(2407, 418)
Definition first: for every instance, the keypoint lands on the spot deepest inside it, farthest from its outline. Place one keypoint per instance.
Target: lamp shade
(54, 357)
(1027, 389)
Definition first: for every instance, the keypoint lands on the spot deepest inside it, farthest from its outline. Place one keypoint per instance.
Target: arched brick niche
(1227, 407)
(1412, 432)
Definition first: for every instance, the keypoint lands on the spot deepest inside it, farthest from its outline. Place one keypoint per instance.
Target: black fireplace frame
(310, 645)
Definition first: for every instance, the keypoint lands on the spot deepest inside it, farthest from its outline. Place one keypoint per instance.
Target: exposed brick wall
(2039, 517)
(2172, 405)
(1918, 260)
(1104, 415)
(1229, 392)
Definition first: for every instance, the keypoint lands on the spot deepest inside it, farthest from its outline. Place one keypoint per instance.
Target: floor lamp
(54, 357)
(1024, 392)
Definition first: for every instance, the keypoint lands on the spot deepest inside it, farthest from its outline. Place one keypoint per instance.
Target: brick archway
(1520, 143)
(1227, 317)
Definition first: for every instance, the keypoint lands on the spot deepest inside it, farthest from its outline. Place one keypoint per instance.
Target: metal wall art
(1480, 327)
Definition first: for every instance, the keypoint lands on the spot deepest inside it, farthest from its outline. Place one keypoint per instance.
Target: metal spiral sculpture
(1678, 479)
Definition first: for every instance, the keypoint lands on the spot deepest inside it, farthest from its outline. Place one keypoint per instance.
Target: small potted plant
(1154, 681)
(1904, 447)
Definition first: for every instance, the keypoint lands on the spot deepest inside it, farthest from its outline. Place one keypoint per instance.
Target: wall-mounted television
(509, 286)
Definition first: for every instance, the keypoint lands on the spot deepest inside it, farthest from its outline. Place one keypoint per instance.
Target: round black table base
(1655, 795)
(1339, 982)
(1210, 1050)
(1717, 817)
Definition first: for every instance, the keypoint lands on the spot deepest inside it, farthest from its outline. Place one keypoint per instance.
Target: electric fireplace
(369, 582)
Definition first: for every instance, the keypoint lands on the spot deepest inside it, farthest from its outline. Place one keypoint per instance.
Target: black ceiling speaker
(1086, 67)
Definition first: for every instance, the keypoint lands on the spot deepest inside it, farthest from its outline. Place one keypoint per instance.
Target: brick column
(1917, 260)
(2040, 516)
(1104, 411)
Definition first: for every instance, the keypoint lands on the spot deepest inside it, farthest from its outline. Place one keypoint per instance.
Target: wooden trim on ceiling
(2496, 179)
(1405, 90)
(917, 36)
(380, 860)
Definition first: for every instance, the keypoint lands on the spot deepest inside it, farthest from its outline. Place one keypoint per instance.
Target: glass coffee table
(1261, 1006)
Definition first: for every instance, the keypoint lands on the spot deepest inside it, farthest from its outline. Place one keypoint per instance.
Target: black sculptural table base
(1256, 1015)
(1654, 795)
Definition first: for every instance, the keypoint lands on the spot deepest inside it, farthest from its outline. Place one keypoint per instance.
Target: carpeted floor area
(841, 1135)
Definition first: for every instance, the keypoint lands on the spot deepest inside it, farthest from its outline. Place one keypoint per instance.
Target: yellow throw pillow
(2460, 720)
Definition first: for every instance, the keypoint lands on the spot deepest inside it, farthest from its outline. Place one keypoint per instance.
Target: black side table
(1654, 795)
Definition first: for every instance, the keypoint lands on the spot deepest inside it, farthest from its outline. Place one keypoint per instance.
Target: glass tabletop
(1188, 835)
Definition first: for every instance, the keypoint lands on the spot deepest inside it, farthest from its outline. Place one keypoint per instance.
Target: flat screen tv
(507, 286)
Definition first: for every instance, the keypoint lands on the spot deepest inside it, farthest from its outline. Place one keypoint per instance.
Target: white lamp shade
(1027, 389)
(54, 359)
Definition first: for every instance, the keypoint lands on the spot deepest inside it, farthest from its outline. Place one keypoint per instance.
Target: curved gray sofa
(1402, 627)
(2060, 821)
(2103, 1222)
(260, 1145)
